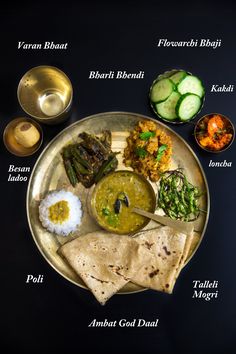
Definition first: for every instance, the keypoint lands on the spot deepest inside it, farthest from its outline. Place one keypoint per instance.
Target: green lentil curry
(115, 197)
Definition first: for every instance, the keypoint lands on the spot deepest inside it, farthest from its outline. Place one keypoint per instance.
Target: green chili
(177, 197)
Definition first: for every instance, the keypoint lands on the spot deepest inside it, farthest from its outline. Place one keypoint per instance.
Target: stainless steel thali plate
(48, 174)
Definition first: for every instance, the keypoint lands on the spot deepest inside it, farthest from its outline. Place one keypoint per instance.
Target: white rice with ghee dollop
(73, 220)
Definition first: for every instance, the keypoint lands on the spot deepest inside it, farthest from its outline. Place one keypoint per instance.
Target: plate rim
(97, 115)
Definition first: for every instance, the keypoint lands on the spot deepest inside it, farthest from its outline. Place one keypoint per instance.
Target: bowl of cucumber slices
(177, 96)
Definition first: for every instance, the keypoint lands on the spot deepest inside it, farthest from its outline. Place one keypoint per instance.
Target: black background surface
(54, 316)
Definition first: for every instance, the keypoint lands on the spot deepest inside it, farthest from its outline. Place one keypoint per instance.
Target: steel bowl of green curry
(114, 198)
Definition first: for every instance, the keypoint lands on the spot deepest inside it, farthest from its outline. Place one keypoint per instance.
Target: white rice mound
(75, 212)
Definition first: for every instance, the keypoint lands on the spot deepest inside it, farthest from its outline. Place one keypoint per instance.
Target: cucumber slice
(191, 84)
(167, 74)
(166, 109)
(161, 90)
(178, 77)
(188, 106)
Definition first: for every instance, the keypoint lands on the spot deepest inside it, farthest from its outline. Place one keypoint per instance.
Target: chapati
(188, 243)
(105, 261)
(167, 247)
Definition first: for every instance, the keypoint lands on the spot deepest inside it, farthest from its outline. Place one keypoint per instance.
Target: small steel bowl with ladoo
(214, 133)
(23, 136)
(114, 198)
(177, 96)
(45, 93)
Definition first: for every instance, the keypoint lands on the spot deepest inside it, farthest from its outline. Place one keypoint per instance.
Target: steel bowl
(45, 93)
(94, 212)
(231, 129)
(11, 143)
(165, 75)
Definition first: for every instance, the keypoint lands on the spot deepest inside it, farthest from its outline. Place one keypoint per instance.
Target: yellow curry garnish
(59, 212)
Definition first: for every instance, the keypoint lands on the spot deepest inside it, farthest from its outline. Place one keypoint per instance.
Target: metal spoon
(181, 226)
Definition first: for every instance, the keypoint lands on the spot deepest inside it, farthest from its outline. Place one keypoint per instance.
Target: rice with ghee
(60, 212)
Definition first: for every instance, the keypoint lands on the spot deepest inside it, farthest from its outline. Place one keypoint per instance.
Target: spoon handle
(181, 226)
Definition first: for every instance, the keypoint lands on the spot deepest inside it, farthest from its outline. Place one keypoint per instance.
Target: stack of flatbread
(106, 262)
(169, 249)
